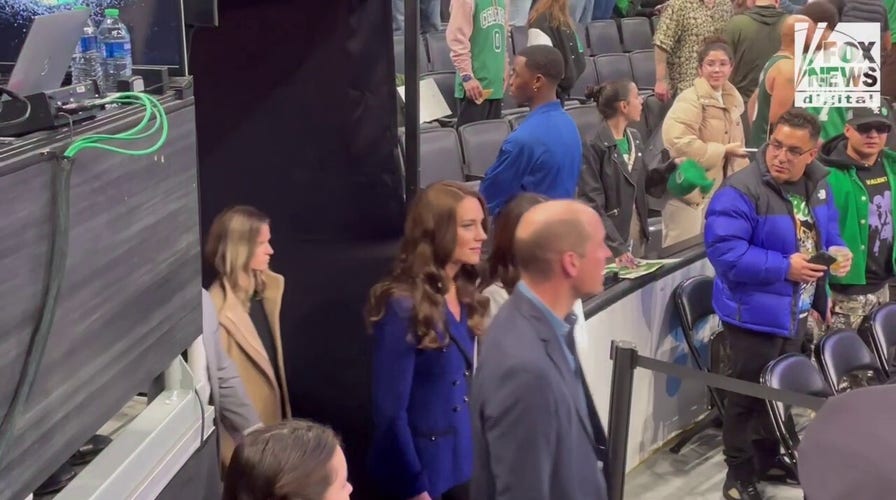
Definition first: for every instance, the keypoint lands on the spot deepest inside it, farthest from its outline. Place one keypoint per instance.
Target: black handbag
(658, 175)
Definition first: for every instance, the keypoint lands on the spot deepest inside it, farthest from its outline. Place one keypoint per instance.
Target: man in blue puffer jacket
(762, 226)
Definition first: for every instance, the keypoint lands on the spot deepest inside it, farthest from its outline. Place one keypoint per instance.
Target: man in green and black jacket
(862, 178)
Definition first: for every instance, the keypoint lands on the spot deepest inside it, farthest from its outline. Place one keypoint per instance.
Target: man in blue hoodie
(762, 227)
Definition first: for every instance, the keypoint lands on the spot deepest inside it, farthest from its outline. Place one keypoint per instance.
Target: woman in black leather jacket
(613, 174)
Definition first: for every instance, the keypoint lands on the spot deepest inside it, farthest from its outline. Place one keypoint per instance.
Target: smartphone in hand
(823, 259)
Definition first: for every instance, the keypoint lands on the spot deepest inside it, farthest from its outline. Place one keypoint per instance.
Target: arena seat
(439, 53)
(613, 68)
(643, 68)
(398, 51)
(636, 34)
(603, 37)
(588, 78)
(481, 142)
(440, 156)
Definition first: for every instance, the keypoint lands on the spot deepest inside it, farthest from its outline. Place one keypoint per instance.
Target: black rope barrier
(625, 360)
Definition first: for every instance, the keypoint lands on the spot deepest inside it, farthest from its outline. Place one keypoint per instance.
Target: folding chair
(792, 372)
(846, 361)
(879, 331)
(693, 301)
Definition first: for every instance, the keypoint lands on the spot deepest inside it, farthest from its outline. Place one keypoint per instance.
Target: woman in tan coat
(704, 124)
(247, 295)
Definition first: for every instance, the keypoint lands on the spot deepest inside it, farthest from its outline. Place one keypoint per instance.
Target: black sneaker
(740, 490)
(781, 471)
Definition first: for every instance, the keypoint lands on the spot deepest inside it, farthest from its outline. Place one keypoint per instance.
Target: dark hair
(607, 96)
(430, 237)
(712, 44)
(802, 119)
(821, 12)
(286, 460)
(501, 261)
(839, 5)
(545, 61)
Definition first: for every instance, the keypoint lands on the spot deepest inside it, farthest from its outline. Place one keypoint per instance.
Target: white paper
(432, 104)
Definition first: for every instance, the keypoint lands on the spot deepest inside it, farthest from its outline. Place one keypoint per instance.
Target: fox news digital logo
(842, 71)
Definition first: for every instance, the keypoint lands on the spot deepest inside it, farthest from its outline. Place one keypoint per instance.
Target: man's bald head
(549, 230)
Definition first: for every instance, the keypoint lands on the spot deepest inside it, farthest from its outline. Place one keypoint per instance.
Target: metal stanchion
(411, 97)
(625, 360)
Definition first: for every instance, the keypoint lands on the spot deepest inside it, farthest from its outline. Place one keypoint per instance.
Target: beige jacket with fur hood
(699, 125)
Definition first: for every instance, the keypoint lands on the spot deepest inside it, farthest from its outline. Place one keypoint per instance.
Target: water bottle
(116, 42)
(87, 62)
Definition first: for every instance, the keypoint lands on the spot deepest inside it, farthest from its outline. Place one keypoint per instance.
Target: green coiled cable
(60, 238)
(154, 112)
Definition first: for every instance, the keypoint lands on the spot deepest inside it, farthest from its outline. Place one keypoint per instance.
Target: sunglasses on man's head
(867, 128)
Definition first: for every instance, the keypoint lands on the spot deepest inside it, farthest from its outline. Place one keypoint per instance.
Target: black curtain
(296, 116)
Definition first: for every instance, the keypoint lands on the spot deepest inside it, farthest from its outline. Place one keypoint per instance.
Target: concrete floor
(697, 473)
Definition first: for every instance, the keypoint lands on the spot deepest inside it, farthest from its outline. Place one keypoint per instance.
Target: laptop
(47, 52)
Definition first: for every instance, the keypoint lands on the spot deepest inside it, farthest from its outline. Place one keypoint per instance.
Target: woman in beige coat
(704, 124)
(247, 295)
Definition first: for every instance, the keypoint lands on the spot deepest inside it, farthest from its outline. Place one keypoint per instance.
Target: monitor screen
(156, 27)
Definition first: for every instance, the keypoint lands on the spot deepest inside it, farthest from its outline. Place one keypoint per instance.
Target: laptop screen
(156, 27)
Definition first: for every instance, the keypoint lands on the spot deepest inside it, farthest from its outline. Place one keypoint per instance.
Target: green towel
(689, 176)
(623, 6)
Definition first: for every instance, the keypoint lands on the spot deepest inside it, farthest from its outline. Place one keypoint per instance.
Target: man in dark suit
(535, 431)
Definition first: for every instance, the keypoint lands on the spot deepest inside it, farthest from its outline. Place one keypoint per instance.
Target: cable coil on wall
(153, 120)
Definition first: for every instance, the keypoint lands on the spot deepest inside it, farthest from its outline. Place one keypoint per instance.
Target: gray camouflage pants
(848, 311)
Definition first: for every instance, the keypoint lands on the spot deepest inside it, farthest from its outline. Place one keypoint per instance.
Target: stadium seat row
(598, 38)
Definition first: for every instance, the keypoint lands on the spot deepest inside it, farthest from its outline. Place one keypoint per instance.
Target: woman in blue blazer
(424, 319)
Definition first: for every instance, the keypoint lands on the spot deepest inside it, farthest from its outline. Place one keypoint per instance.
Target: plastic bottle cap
(111, 12)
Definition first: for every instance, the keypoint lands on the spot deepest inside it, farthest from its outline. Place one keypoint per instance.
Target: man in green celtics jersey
(477, 37)
(777, 86)
(862, 179)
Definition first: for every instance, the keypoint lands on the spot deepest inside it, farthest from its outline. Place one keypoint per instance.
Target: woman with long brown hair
(502, 270)
(551, 24)
(247, 295)
(503, 273)
(424, 317)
